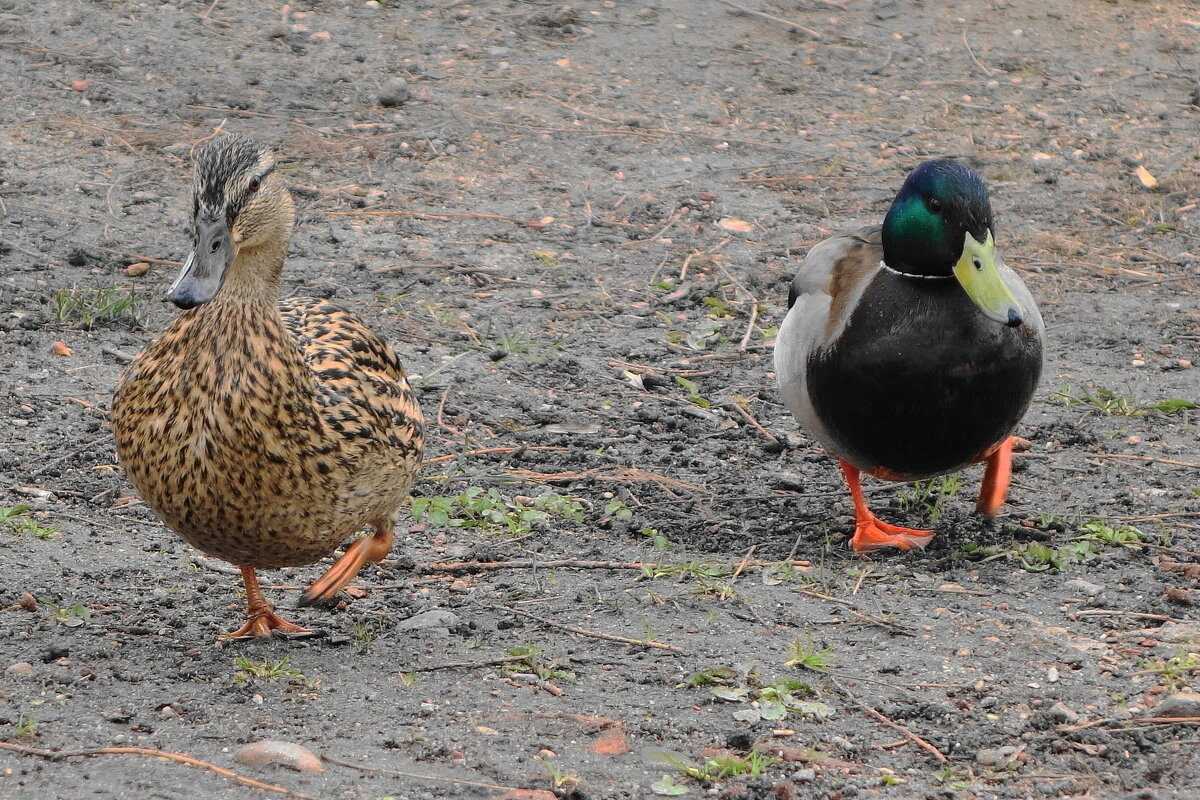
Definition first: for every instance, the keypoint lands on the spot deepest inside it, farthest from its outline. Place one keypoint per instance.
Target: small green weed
(531, 662)
(558, 776)
(26, 728)
(717, 308)
(806, 655)
(487, 511)
(779, 699)
(410, 679)
(661, 543)
(547, 257)
(249, 671)
(71, 616)
(1111, 404)
(1174, 671)
(718, 769)
(930, 495)
(1121, 536)
(18, 520)
(85, 307)
(617, 509)
(362, 636)
(668, 786)
(693, 392)
(953, 778)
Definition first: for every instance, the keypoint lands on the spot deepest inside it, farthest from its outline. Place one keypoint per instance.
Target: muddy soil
(576, 223)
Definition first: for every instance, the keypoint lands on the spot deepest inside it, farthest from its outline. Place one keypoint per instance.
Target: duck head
(940, 225)
(238, 203)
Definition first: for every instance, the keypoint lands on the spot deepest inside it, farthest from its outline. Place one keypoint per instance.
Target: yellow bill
(977, 272)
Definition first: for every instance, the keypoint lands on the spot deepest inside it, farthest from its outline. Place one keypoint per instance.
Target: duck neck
(253, 277)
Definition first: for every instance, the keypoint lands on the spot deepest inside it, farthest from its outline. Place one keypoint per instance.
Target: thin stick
(749, 418)
(1145, 458)
(1110, 612)
(418, 776)
(675, 217)
(61, 755)
(771, 17)
(467, 567)
(492, 662)
(608, 637)
(527, 223)
(908, 734)
(882, 623)
(750, 325)
(971, 53)
(487, 450)
(442, 407)
(686, 261)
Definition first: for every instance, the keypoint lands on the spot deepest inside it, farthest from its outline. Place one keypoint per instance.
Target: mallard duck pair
(909, 349)
(263, 431)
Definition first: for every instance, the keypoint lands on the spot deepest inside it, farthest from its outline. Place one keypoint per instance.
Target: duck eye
(254, 185)
(934, 205)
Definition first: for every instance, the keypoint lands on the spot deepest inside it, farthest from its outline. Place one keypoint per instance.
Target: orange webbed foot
(268, 623)
(364, 551)
(875, 534)
(996, 478)
(872, 533)
(261, 619)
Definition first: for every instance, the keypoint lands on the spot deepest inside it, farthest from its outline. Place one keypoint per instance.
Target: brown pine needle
(608, 637)
(146, 752)
(908, 734)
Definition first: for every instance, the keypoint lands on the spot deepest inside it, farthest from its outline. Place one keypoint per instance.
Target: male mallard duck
(264, 431)
(910, 349)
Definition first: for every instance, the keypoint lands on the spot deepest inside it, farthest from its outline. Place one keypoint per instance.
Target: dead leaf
(1148, 180)
(612, 743)
(735, 225)
(284, 754)
(60, 349)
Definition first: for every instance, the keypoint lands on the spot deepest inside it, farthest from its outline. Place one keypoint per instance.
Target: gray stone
(1062, 713)
(395, 92)
(438, 618)
(1082, 587)
(22, 669)
(1181, 704)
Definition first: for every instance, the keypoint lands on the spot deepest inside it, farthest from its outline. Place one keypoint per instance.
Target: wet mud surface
(576, 223)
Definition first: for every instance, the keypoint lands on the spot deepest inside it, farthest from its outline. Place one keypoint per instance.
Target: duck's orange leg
(996, 478)
(871, 533)
(367, 550)
(261, 619)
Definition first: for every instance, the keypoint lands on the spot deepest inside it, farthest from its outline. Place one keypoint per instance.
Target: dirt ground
(576, 224)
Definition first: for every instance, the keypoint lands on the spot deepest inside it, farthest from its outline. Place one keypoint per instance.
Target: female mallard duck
(264, 431)
(910, 349)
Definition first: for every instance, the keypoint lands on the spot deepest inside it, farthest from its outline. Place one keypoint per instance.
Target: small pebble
(395, 92)
(995, 756)
(22, 669)
(1082, 587)
(1181, 704)
(438, 618)
(1062, 713)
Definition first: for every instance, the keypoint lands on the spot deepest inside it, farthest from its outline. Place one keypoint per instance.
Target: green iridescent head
(938, 204)
(940, 225)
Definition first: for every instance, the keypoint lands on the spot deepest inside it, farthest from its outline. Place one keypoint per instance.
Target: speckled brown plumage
(263, 431)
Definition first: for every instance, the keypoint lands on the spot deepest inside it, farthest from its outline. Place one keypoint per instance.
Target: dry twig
(608, 637)
(146, 752)
(908, 734)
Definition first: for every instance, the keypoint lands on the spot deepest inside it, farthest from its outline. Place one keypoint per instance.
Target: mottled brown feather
(265, 433)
